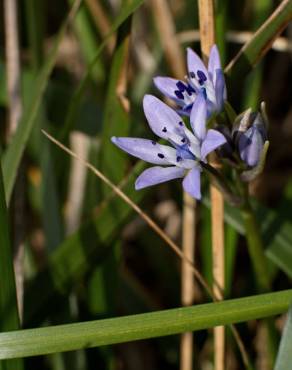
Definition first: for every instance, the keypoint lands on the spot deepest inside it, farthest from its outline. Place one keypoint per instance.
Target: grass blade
(13, 154)
(284, 357)
(9, 319)
(126, 12)
(254, 50)
(32, 342)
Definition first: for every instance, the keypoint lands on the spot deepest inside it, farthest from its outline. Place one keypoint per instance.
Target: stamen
(179, 94)
(189, 90)
(201, 76)
(180, 85)
(160, 155)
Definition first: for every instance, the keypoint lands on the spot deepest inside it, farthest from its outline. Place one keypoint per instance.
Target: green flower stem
(260, 265)
(256, 248)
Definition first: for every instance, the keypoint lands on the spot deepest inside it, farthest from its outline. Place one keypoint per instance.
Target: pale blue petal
(157, 175)
(199, 116)
(250, 146)
(212, 141)
(220, 89)
(163, 120)
(192, 182)
(148, 150)
(168, 86)
(195, 63)
(214, 62)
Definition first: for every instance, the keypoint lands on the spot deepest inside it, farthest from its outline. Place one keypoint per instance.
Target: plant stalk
(260, 265)
(256, 248)
(207, 35)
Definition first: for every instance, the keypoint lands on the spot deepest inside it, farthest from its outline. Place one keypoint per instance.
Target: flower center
(185, 92)
(183, 152)
(202, 83)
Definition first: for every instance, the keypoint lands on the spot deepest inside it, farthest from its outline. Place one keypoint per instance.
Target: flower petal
(211, 142)
(192, 182)
(163, 120)
(250, 146)
(214, 62)
(171, 88)
(196, 68)
(199, 116)
(148, 150)
(220, 89)
(157, 175)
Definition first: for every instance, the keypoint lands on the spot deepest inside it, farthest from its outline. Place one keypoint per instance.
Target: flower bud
(251, 139)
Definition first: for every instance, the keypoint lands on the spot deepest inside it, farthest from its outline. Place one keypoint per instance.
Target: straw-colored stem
(14, 114)
(217, 214)
(187, 282)
(77, 181)
(122, 83)
(101, 21)
(207, 34)
(12, 65)
(166, 28)
(207, 26)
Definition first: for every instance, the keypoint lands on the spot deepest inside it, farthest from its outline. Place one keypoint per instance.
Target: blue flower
(251, 140)
(209, 81)
(182, 159)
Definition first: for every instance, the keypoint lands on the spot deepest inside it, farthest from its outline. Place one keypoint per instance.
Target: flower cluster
(200, 97)
(200, 79)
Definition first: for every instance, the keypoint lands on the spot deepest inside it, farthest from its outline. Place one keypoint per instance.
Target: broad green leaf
(13, 154)
(254, 50)
(284, 356)
(9, 319)
(32, 342)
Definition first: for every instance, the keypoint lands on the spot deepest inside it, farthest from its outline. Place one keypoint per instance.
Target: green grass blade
(87, 40)
(253, 51)
(13, 154)
(9, 319)
(126, 12)
(112, 162)
(284, 357)
(31, 342)
(35, 20)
